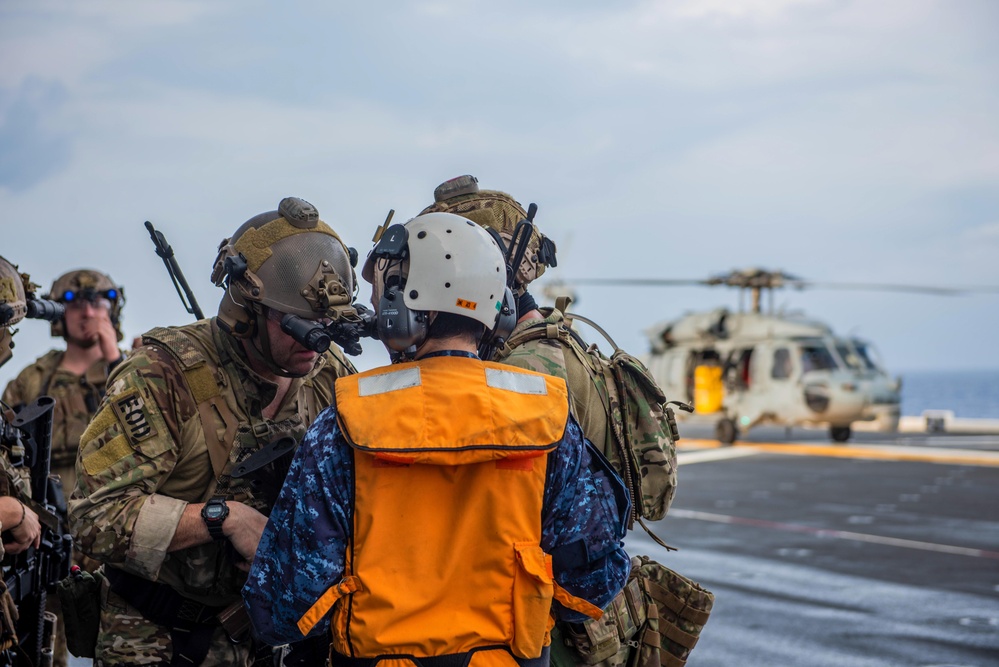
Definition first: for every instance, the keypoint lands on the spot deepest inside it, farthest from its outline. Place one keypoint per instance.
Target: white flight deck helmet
(448, 264)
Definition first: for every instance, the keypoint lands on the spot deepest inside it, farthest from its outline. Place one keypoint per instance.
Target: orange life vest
(450, 456)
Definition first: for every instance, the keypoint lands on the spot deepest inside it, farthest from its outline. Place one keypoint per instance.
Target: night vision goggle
(90, 295)
(347, 332)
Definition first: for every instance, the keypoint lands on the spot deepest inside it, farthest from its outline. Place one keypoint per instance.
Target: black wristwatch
(213, 514)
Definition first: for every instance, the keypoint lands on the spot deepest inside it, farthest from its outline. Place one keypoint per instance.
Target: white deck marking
(836, 534)
(685, 458)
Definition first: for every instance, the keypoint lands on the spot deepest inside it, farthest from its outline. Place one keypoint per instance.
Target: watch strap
(215, 525)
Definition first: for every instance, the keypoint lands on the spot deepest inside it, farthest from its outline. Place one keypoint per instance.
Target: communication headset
(401, 329)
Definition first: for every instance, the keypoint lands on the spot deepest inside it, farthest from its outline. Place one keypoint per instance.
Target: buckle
(191, 611)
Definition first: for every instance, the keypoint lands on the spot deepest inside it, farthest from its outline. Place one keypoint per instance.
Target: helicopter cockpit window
(782, 364)
(850, 356)
(868, 354)
(816, 357)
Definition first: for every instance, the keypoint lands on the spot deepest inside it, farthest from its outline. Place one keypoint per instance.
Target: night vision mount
(346, 332)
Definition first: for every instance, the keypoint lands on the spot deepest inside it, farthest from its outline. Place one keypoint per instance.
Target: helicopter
(749, 368)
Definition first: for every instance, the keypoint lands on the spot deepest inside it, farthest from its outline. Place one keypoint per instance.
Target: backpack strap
(610, 370)
(551, 328)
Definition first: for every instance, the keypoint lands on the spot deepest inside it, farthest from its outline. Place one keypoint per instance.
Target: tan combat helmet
(496, 210)
(88, 285)
(288, 260)
(13, 304)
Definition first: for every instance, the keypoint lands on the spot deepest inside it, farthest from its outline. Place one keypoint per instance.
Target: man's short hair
(449, 325)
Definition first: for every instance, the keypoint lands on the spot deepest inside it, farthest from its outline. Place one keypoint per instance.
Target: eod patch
(132, 414)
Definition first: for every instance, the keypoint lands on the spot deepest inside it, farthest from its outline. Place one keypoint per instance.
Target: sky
(837, 140)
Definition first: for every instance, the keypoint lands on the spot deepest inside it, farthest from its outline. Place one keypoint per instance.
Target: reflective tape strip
(372, 385)
(518, 382)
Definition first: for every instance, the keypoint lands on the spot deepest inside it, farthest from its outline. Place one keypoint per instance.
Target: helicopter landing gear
(727, 431)
(840, 433)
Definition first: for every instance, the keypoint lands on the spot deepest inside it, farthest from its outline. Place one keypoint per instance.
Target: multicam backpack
(642, 426)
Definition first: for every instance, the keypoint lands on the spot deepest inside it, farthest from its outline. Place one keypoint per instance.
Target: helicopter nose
(836, 402)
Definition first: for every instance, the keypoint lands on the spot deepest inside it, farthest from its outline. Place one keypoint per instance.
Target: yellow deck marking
(887, 453)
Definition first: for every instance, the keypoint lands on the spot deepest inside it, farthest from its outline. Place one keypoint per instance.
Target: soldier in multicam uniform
(157, 500)
(17, 521)
(74, 377)
(423, 521)
(560, 352)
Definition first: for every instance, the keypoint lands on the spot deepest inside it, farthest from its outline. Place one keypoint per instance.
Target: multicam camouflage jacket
(77, 398)
(548, 355)
(179, 415)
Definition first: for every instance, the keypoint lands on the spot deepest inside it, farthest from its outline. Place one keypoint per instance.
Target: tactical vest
(232, 430)
(77, 400)
(450, 460)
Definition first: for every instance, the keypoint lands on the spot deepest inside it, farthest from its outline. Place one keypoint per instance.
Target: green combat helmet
(13, 304)
(288, 260)
(496, 210)
(87, 285)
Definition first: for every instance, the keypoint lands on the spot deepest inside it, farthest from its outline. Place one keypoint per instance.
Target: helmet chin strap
(263, 352)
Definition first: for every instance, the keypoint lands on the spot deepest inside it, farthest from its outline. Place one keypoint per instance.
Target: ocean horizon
(972, 394)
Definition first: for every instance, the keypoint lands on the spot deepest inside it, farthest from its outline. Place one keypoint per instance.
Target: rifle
(165, 251)
(33, 573)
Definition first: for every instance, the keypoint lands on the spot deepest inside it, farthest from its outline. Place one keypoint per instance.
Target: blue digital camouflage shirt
(302, 551)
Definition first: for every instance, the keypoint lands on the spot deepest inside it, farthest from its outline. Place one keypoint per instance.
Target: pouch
(533, 589)
(80, 595)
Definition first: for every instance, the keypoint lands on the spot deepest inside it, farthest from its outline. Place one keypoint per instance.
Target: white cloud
(65, 41)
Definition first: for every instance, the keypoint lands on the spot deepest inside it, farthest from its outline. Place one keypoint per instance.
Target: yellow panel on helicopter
(708, 389)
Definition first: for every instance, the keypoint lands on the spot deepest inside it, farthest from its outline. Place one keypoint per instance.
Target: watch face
(214, 512)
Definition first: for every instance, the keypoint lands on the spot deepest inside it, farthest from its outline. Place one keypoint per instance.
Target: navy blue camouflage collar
(449, 353)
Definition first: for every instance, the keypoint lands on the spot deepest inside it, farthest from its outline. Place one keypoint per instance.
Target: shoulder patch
(132, 414)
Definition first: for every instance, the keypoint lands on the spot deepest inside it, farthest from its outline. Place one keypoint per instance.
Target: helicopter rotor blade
(886, 287)
(645, 282)
(795, 283)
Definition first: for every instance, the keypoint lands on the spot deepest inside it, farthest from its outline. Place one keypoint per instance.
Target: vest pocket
(533, 587)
